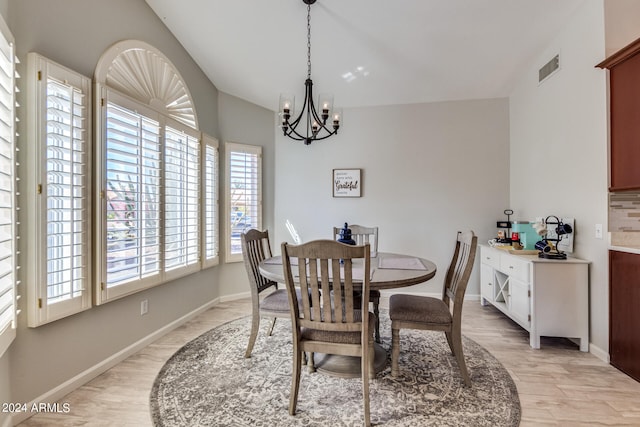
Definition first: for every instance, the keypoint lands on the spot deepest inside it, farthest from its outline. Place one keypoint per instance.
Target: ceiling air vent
(549, 68)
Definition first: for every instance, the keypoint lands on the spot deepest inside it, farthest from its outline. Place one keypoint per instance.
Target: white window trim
(249, 149)
(40, 310)
(8, 330)
(151, 84)
(102, 293)
(211, 202)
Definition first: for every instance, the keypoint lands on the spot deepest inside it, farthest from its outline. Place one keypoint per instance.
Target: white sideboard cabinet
(546, 297)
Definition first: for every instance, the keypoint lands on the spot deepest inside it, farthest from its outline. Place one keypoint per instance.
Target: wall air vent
(549, 68)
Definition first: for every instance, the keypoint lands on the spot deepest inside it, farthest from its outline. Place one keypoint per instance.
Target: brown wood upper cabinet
(624, 92)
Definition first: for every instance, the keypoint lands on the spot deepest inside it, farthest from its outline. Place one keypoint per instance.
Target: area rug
(208, 382)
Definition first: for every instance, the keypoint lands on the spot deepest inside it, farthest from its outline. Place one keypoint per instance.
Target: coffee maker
(504, 229)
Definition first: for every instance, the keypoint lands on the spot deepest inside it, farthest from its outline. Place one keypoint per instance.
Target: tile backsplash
(624, 211)
(624, 219)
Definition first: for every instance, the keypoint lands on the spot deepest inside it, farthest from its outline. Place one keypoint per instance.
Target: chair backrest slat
(457, 278)
(255, 249)
(361, 234)
(329, 282)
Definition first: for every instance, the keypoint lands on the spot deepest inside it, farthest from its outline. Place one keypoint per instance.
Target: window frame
(10, 296)
(104, 293)
(41, 309)
(211, 201)
(233, 147)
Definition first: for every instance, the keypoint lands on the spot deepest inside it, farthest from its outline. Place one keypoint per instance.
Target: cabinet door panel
(487, 287)
(519, 303)
(625, 124)
(624, 312)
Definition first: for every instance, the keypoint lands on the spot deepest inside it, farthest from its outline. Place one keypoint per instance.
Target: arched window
(154, 170)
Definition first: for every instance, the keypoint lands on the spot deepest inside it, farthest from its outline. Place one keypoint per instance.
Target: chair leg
(456, 338)
(295, 380)
(273, 323)
(395, 350)
(365, 368)
(376, 311)
(311, 363)
(255, 325)
(450, 342)
(372, 356)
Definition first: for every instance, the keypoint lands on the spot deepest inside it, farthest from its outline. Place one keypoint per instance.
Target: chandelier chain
(309, 41)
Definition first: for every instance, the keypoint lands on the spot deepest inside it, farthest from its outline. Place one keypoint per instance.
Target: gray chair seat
(412, 308)
(277, 302)
(337, 336)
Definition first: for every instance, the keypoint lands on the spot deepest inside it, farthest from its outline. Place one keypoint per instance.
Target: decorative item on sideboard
(548, 245)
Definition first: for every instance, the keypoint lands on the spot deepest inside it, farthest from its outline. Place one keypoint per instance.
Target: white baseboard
(599, 353)
(84, 377)
(234, 297)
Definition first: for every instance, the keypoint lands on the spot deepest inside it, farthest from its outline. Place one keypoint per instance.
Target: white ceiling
(365, 52)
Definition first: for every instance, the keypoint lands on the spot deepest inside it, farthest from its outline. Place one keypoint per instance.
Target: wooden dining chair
(330, 322)
(363, 234)
(256, 248)
(445, 314)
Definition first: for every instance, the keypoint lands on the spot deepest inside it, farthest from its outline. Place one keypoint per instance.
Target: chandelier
(315, 123)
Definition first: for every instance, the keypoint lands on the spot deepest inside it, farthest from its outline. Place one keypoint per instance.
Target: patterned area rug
(208, 382)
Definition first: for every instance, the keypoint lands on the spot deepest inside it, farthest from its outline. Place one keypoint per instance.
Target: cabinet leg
(534, 341)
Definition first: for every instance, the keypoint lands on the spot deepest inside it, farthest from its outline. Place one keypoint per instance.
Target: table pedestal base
(348, 366)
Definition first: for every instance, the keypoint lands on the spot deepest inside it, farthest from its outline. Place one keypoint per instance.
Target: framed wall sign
(347, 182)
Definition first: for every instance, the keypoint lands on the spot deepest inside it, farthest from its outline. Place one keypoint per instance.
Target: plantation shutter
(8, 283)
(182, 197)
(244, 166)
(67, 178)
(60, 118)
(132, 196)
(211, 211)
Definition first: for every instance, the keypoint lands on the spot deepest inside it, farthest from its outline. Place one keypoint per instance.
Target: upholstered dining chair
(256, 248)
(363, 234)
(329, 322)
(445, 314)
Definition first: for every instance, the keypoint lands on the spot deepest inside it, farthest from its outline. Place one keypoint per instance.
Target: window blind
(182, 198)
(132, 196)
(67, 233)
(211, 170)
(8, 283)
(245, 193)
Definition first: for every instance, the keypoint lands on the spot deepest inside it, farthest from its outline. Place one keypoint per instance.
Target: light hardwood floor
(558, 385)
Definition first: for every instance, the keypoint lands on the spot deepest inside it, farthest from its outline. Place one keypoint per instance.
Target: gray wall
(408, 155)
(559, 149)
(234, 116)
(75, 33)
(428, 170)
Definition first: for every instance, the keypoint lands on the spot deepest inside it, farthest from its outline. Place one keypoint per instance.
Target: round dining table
(388, 271)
